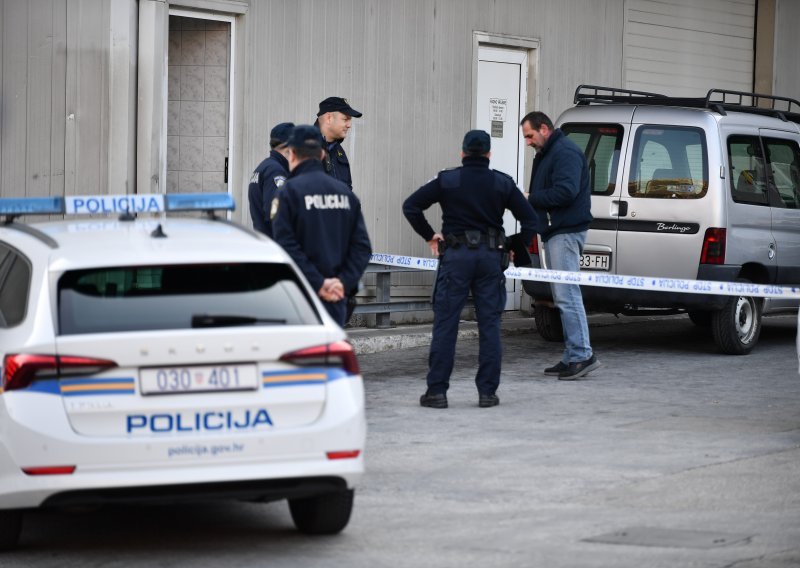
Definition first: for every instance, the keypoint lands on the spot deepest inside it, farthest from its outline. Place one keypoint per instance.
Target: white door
(500, 105)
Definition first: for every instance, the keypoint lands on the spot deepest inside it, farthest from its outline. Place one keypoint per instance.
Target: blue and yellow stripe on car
(105, 386)
(300, 377)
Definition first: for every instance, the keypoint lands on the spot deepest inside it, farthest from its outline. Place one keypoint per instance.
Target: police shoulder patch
(279, 181)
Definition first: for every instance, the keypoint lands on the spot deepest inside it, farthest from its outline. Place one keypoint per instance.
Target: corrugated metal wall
(407, 65)
(786, 80)
(684, 48)
(54, 107)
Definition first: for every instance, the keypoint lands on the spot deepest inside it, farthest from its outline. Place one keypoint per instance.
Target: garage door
(683, 47)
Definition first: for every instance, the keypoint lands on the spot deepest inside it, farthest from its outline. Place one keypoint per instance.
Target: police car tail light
(20, 369)
(713, 251)
(337, 354)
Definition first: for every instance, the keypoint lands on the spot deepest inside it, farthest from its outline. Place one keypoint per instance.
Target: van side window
(669, 162)
(747, 172)
(784, 169)
(15, 283)
(601, 145)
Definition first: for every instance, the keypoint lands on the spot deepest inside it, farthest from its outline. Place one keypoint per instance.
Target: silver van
(694, 188)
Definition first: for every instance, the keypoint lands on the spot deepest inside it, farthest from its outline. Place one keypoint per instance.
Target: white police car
(163, 358)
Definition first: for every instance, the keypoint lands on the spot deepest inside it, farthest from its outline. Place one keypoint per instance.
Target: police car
(147, 356)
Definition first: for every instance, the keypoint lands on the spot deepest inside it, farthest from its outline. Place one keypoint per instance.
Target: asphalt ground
(669, 455)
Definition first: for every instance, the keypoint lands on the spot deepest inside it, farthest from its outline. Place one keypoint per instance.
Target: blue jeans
(563, 253)
(460, 270)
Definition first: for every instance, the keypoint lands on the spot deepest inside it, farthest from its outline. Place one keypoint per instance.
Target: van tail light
(533, 248)
(21, 369)
(338, 354)
(50, 470)
(713, 247)
(344, 455)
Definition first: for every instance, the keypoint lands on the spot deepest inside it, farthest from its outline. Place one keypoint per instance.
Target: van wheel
(737, 325)
(548, 322)
(10, 528)
(322, 514)
(700, 318)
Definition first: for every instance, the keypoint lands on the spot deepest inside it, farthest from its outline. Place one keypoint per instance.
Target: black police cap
(333, 104)
(280, 133)
(305, 136)
(476, 142)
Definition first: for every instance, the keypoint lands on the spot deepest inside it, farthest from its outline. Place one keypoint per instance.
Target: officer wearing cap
(268, 178)
(319, 223)
(472, 256)
(334, 119)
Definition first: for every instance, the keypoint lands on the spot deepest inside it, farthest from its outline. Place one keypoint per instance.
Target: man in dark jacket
(268, 178)
(560, 192)
(319, 223)
(473, 199)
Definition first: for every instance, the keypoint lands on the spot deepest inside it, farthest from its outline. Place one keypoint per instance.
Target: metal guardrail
(383, 306)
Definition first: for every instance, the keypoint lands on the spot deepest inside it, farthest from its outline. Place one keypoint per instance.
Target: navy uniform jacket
(337, 164)
(319, 223)
(267, 178)
(473, 197)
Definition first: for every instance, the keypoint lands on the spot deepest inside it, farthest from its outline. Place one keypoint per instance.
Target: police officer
(319, 223)
(334, 119)
(473, 199)
(268, 178)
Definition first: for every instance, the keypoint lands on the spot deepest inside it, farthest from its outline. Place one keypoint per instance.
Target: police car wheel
(322, 514)
(737, 325)
(548, 322)
(10, 528)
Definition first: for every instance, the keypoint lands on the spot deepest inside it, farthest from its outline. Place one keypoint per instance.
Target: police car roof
(111, 242)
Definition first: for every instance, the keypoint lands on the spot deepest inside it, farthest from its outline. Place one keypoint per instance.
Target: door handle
(622, 208)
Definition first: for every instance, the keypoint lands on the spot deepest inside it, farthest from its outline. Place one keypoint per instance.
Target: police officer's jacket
(472, 197)
(337, 164)
(267, 179)
(320, 224)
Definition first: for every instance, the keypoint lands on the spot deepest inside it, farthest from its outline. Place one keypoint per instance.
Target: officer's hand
(332, 290)
(434, 243)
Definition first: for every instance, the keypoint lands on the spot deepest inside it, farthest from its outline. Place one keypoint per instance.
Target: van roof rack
(717, 100)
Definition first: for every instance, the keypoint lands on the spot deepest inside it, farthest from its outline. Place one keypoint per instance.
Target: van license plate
(596, 261)
(212, 378)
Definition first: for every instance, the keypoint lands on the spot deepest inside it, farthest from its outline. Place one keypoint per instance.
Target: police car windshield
(139, 298)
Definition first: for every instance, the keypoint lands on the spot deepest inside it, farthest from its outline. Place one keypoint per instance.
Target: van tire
(548, 322)
(700, 318)
(322, 514)
(10, 528)
(737, 325)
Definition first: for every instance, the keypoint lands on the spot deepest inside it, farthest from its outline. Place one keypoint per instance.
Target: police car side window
(15, 281)
(748, 177)
(601, 144)
(784, 170)
(669, 162)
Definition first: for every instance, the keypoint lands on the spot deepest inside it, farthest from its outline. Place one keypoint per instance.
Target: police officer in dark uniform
(334, 120)
(472, 256)
(268, 178)
(319, 223)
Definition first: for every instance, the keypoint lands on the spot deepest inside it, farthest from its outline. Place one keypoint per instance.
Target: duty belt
(472, 239)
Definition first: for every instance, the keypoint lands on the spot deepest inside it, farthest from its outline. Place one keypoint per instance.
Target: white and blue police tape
(613, 280)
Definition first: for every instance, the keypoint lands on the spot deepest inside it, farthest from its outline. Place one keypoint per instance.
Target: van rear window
(601, 144)
(669, 162)
(139, 298)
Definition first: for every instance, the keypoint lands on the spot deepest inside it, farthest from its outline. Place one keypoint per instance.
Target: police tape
(650, 283)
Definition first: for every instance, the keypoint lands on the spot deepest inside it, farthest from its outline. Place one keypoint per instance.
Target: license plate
(211, 378)
(596, 261)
